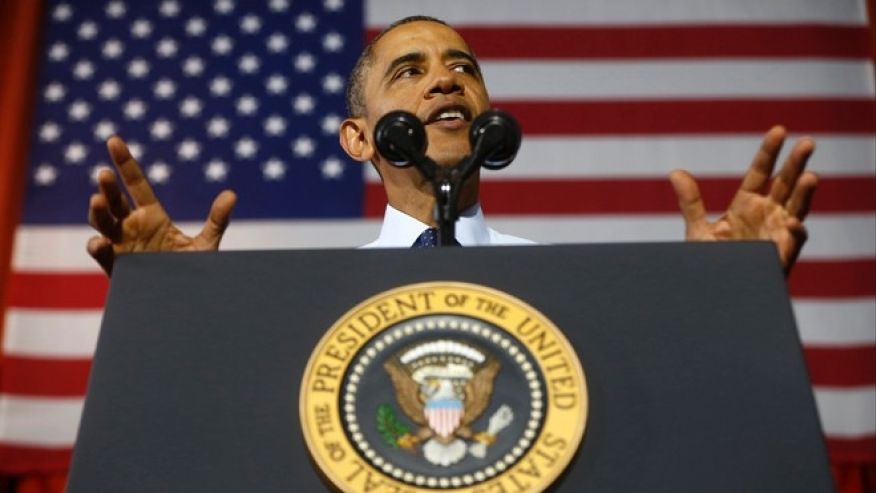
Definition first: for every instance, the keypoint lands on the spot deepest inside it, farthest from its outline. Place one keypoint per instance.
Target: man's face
(427, 69)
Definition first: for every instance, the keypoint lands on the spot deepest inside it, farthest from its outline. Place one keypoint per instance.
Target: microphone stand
(402, 140)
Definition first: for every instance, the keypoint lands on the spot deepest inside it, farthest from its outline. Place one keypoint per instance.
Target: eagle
(443, 386)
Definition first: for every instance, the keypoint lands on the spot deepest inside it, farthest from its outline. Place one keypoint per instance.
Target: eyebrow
(418, 57)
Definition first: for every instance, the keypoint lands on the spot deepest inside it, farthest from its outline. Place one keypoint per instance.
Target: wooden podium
(695, 372)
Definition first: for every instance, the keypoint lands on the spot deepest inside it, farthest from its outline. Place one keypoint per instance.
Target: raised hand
(146, 227)
(759, 210)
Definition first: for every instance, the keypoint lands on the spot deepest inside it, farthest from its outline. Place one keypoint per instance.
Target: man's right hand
(146, 227)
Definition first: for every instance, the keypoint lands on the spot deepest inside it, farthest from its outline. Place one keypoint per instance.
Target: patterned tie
(429, 239)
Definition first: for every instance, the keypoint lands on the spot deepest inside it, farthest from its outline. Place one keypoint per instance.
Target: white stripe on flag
(595, 157)
(633, 12)
(74, 333)
(51, 334)
(677, 79)
(836, 323)
(832, 236)
(847, 413)
(47, 422)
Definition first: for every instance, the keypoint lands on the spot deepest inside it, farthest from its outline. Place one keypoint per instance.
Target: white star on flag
(50, 131)
(305, 62)
(109, 89)
(193, 66)
(135, 109)
(274, 125)
(113, 48)
(305, 22)
(332, 168)
(141, 28)
(164, 89)
(166, 47)
(161, 129)
(75, 152)
(303, 103)
(273, 169)
(218, 127)
(138, 68)
(188, 150)
(196, 26)
(87, 30)
(45, 174)
(158, 173)
(115, 9)
(248, 63)
(303, 146)
(190, 107)
(83, 69)
(104, 129)
(54, 92)
(79, 110)
(246, 148)
(216, 170)
(277, 43)
(250, 24)
(220, 86)
(58, 52)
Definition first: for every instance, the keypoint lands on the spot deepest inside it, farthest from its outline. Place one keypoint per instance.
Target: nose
(446, 81)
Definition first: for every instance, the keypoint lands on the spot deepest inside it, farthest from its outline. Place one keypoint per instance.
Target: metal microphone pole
(494, 137)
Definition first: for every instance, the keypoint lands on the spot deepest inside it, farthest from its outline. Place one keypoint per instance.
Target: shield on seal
(444, 415)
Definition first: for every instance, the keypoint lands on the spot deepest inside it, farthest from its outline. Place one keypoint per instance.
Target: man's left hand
(760, 210)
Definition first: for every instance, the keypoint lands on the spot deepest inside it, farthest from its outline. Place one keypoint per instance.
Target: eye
(464, 68)
(407, 72)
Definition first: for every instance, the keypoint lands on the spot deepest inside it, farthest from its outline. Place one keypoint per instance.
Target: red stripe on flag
(19, 459)
(57, 290)
(853, 450)
(842, 366)
(575, 117)
(634, 196)
(44, 377)
(644, 42)
(834, 279)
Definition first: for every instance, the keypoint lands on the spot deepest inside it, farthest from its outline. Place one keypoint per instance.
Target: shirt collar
(400, 230)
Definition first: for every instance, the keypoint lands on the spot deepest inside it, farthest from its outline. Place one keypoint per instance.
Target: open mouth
(451, 116)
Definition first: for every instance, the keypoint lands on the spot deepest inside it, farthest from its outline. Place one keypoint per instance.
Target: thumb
(689, 199)
(219, 217)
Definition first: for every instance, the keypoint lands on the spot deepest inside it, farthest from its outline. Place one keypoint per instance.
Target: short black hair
(354, 98)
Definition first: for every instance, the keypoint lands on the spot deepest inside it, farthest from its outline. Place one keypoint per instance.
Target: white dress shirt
(400, 230)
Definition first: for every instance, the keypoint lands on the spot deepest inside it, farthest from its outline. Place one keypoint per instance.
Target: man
(423, 66)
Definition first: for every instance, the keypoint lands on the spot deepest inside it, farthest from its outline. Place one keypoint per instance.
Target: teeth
(447, 115)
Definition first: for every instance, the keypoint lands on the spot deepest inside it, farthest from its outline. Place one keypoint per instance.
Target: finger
(101, 249)
(689, 199)
(764, 161)
(132, 175)
(109, 187)
(99, 218)
(786, 180)
(219, 217)
(801, 197)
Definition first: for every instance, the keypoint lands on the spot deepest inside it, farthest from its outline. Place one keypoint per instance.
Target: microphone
(497, 135)
(400, 137)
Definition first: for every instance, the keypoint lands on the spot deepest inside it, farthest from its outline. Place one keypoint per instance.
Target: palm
(756, 214)
(147, 227)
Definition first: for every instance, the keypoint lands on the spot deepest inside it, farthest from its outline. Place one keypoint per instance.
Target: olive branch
(389, 427)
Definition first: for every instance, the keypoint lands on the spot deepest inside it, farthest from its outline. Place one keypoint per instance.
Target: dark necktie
(429, 239)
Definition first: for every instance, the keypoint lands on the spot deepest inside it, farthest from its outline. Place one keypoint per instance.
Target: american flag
(611, 95)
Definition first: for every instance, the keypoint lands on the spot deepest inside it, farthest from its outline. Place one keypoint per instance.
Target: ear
(355, 140)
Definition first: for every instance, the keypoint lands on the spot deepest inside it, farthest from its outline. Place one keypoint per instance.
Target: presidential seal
(443, 386)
